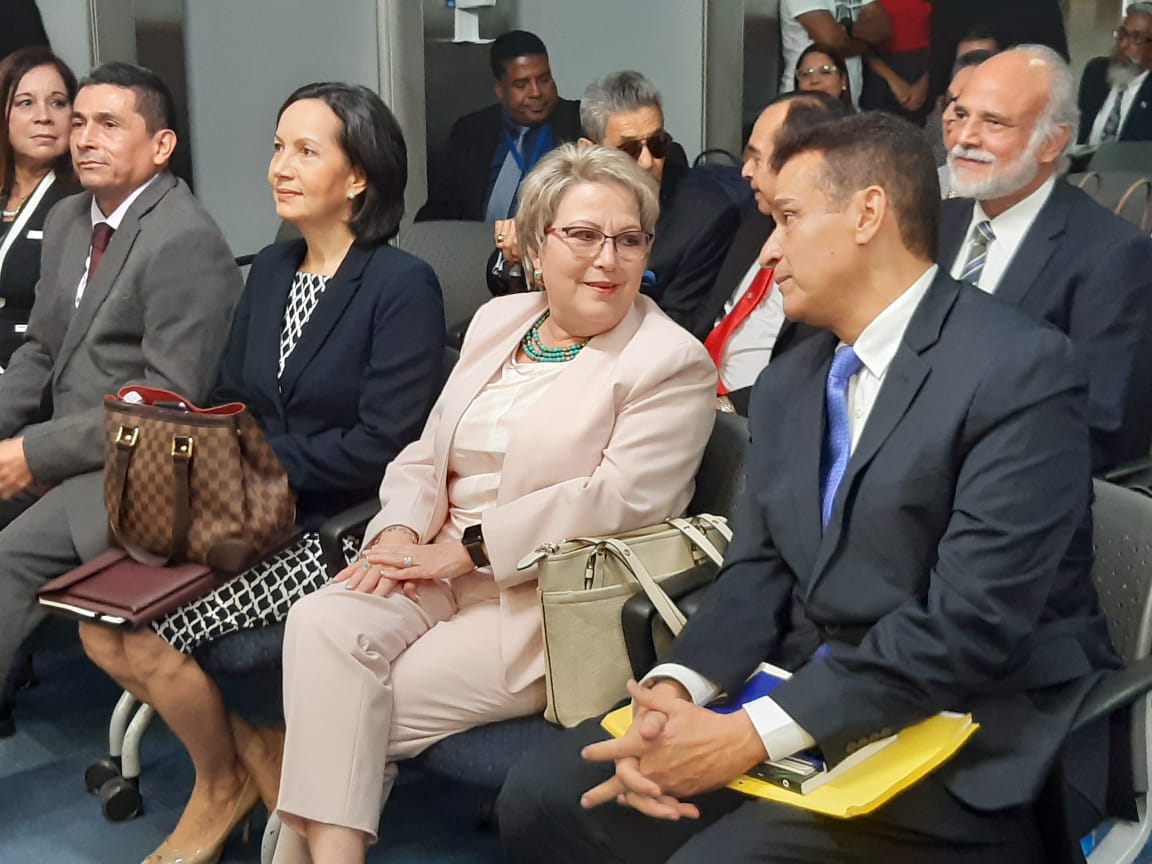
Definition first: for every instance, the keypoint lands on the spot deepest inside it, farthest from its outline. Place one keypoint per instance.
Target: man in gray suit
(137, 286)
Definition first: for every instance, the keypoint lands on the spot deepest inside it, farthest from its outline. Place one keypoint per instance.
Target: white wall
(244, 58)
(663, 39)
(68, 25)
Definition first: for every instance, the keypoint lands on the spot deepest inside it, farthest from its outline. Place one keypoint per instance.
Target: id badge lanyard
(543, 140)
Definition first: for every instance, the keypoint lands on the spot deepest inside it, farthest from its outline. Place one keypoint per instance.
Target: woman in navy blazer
(337, 349)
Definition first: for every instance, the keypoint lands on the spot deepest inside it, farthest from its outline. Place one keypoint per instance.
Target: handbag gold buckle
(182, 447)
(127, 436)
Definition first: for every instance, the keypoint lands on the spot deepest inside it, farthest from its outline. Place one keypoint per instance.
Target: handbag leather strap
(181, 496)
(699, 538)
(663, 604)
(125, 444)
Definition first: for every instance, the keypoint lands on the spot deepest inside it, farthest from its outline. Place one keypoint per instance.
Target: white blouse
(481, 440)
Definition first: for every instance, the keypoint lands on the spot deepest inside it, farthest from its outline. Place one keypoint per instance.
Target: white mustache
(972, 154)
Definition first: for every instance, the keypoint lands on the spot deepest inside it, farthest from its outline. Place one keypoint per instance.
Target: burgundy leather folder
(117, 590)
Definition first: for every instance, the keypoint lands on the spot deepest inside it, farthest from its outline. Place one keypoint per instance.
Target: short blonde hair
(567, 166)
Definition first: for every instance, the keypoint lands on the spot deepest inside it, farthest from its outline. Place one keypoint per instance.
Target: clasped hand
(393, 561)
(673, 750)
(15, 476)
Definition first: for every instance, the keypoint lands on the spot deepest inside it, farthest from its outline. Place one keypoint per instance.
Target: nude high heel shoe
(166, 853)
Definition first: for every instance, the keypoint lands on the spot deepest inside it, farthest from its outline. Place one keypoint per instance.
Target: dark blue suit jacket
(1094, 90)
(945, 579)
(1089, 273)
(361, 380)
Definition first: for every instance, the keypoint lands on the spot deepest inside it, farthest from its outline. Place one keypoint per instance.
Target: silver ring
(406, 562)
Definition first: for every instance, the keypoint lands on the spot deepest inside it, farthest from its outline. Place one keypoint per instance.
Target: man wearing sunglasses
(698, 219)
(1116, 91)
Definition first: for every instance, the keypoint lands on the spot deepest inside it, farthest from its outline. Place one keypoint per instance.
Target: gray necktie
(1112, 124)
(507, 183)
(977, 253)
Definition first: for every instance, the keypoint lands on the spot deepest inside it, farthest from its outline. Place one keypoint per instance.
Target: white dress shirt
(1127, 100)
(116, 217)
(1009, 229)
(749, 347)
(876, 346)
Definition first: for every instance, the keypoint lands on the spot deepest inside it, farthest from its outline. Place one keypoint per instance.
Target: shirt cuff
(699, 688)
(781, 735)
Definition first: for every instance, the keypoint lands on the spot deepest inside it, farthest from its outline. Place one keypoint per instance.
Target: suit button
(832, 629)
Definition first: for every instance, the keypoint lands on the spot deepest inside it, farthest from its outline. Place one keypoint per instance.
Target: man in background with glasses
(1115, 91)
(698, 218)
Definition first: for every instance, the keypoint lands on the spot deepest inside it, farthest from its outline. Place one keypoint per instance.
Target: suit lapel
(331, 305)
(905, 377)
(271, 301)
(804, 439)
(97, 288)
(955, 216)
(1039, 245)
(742, 254)
(1139, 114)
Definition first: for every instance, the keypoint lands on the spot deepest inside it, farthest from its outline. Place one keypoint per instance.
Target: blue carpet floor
(46, 817)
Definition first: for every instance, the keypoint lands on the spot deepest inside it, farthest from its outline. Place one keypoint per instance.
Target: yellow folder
(916, 752)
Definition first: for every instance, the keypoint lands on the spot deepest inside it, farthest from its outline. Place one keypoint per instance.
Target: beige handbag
(584, 583)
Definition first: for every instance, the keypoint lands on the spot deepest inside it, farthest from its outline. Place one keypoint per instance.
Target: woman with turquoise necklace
(578, 409)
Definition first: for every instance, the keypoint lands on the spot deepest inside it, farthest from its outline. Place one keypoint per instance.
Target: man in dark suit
(739, 319)
(1116, 91)
(489, 151)
(698, 217)
(919, 463)
(137, 285)
(1047, 248)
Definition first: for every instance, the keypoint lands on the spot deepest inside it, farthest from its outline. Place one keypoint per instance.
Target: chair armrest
(348, 523)
(1122, 474)
(638, 618)
(1114, 691)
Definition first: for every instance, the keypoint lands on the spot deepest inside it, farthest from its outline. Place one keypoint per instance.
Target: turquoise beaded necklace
(536, 350)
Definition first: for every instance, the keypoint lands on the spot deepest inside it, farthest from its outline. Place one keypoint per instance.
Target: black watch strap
(474, 542)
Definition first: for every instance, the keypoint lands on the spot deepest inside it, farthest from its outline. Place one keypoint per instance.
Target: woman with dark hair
(822, 69)
(337, 349)
(36, 90)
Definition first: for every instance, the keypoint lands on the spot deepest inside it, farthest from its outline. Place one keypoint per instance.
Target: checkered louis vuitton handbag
(189, 484)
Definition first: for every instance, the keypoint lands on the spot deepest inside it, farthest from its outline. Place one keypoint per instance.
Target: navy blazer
(1094, 90)
(1087, 272)
(458, 180)
(359, 384)
(20, 262)
(945, 579)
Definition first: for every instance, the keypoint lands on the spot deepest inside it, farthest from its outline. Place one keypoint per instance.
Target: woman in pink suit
(578, 409)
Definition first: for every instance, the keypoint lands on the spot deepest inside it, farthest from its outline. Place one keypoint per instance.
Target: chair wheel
(120, 800)
(100, 772)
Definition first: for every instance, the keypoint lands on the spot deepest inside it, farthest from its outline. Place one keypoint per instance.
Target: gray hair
(615, 93)
(572, 164)
(1141, 8)
(1061, 109)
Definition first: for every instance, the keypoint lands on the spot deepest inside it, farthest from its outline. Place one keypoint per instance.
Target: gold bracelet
(415, 537)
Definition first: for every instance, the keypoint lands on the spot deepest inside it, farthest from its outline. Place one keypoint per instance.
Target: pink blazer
(612, 445)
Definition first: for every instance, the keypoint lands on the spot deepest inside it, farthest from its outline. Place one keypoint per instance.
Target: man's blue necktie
(507, 181)
(838, 438)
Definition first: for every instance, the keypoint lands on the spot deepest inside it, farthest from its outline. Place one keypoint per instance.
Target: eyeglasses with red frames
(657, 145)
(586, 242)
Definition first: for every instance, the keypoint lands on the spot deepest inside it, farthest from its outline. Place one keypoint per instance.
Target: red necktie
(751, 298)
(101, 234)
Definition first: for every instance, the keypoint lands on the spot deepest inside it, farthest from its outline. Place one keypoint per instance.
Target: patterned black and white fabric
(259, 596)
(302, 300)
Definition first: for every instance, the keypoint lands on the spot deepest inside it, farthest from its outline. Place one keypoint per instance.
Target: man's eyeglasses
(587, 242)
(657, 145)
(822, 71)
(1120, 34)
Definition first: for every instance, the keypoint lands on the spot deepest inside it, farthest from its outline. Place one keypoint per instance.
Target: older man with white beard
(1116, 91)
(1044, 246)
